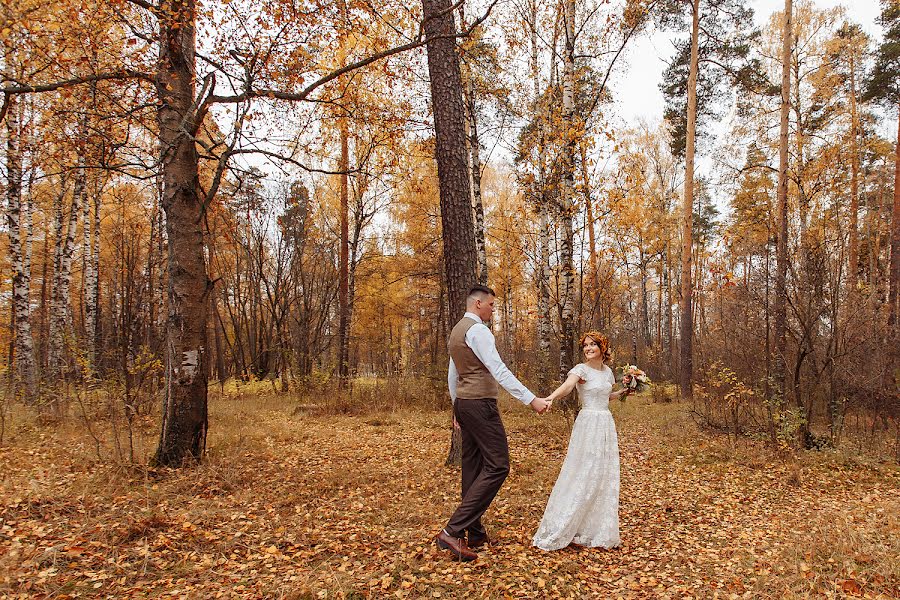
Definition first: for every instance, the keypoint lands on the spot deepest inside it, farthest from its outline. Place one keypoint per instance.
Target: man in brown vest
(474, 374)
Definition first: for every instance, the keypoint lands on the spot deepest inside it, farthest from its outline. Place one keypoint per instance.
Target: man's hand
(540, 405)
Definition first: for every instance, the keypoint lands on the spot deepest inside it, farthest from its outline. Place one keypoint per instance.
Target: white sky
(637, 93)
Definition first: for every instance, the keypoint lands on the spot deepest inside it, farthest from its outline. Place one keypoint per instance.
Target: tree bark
(853, 258)
(593, 280)
(473, 149)
(567, 196)
(61, 304)
(184, 418)
(458, 233)
(452, 164)
(343, 290)
(25, 363)
(781, 258)
(475, 169)
(543, 269)
(894, 280)
(88, 285)
(645, 303)
(687, 325)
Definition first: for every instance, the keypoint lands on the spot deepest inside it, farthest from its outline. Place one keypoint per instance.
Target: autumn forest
(234, 229)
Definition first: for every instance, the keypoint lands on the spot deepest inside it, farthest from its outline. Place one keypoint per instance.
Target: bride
(583, 508)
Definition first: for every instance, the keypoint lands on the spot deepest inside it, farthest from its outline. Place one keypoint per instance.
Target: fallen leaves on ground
(301, 506)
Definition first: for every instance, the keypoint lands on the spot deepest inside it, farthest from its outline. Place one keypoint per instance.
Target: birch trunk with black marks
(475, 168)
(25, 362)
(543, 254)
(473, 150)
(89, 284)
(61, 304)
(894, 278)
(567, 197)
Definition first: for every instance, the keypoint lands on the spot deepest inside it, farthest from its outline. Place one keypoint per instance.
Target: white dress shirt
(480, 339)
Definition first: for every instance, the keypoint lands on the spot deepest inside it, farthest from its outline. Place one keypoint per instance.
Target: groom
(475, 370)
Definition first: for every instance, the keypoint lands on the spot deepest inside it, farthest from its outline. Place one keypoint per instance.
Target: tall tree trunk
(221, 372)
(344, 272)
(184, 419)
(853, 258)
(473, 149)
(894, 278)
(89, 310)
(567, 195)
(593, 283)
(452, 164)
(544, 274)
(28, 243)
(25, 363)
(781, 257)
(475, 168)
(159, 323)
(670, 317)
(806, 274)
(150, 274)
(543, 268)
(54, 338)
(355, 249)
(460, 257)
(46, 289)
(94, 291)
(61, 304)
(687, 325)
(645, 303)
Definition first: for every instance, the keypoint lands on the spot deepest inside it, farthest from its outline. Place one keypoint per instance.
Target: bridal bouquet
(635, 379)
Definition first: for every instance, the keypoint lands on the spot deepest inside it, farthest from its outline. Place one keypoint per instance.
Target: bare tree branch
(420, 40)
(49, 87)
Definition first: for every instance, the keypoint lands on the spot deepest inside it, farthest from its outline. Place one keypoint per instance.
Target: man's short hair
(480, 291)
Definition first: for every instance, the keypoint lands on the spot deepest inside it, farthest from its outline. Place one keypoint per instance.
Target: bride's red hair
(602, 342)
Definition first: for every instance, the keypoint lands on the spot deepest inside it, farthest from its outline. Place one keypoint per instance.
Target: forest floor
(290, 504)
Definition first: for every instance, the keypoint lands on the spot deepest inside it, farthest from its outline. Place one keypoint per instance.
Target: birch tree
(17, 219)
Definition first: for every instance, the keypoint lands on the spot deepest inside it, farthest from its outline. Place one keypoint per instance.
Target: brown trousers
(485, 463)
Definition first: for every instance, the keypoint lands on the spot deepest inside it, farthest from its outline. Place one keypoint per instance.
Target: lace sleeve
(579, 370)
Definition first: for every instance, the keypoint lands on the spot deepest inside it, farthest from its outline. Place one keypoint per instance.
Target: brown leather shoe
(477, 542)
(456, 546)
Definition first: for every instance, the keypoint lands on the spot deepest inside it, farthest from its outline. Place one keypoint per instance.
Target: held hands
(541, 405)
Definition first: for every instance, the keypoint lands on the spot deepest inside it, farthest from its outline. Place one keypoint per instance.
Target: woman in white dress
(583, 508)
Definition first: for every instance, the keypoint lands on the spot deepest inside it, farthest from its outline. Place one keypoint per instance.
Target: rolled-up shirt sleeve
(480, 339)
(452, 377)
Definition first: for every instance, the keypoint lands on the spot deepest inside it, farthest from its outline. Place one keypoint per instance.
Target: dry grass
(337, 501)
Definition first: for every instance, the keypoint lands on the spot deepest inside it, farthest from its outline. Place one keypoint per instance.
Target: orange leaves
(851, 586)
(296, 505)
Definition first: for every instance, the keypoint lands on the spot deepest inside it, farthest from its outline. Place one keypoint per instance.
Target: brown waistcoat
(474, 379)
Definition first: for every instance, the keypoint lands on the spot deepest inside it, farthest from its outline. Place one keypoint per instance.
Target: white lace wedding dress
(584, 505)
